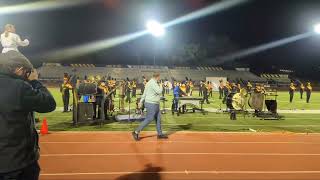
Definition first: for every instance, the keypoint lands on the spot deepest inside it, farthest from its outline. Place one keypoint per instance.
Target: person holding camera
(21, 95)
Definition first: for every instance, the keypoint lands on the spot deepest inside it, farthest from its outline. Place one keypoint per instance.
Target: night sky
(247, 25)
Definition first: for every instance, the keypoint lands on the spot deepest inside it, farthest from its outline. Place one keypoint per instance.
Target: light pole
(158, 31)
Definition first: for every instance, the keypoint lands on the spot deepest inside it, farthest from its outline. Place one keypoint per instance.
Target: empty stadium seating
(136, 72)
(282, 79)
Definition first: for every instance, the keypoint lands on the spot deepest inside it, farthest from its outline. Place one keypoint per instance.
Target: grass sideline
(298, 123)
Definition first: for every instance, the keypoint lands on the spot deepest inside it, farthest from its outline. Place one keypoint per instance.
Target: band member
(183, 88)
(163, 87)
(122, 94)
(227, 89)
(205, 92)
(249, 86)
(292, 88)
(128, 90)
(65, 91)
(112, 86)
(301, 89)
(97, 102)
(308, 91)
(191, 87)
(10, 40)
(134, 88)
(221, 86)
(151, 99)
(234, 88)
(166, 86)
(259, 88)
(102, 91)
(143, 84)
(201, 88)
(210, 88)
(187, 85)
(238, 87)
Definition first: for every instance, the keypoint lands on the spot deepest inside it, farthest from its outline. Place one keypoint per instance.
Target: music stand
(163, 99)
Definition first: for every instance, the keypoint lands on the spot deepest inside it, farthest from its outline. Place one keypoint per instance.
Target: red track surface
(223, 156)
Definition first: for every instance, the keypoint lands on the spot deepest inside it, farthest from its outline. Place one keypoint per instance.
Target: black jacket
(18, 137)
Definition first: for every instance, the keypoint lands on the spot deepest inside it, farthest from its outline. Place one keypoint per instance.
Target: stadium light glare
(316, 28)
(155, 28)
(43, 5)
(74, 51)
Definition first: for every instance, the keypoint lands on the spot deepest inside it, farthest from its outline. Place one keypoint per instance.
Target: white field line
(63, 133)
(181, 172)
(177, 142)
(150, 154)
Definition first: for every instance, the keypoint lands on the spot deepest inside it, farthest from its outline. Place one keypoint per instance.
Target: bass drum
(235, 101)
(256, 101)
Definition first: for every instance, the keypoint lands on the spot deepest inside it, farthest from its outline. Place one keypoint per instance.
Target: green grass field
(283, 100)
(308, 123)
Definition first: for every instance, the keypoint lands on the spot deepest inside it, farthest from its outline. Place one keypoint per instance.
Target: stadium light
(316, 28)
(155, 28)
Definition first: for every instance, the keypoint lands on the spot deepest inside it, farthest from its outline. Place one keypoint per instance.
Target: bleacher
(136, 72)
(280, 79)
(210, 68)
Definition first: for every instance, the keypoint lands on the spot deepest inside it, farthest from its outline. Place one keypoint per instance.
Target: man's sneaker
(162, 136)
(135, 136)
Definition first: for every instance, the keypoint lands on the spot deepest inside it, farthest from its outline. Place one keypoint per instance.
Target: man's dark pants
(65, 99)
(291, 96)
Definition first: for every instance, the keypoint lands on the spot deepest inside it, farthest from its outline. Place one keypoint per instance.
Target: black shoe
(162, 136)
(135, 136)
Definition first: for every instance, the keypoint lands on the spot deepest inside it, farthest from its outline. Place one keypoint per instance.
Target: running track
(186, 155)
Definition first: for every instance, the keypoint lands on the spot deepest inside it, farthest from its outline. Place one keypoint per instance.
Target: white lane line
(223, 125)
(182, 172)
(178, 142)
(186, 172)
(148, 154)
(62, 133)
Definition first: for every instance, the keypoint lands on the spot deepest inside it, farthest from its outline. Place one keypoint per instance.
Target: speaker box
(87, 89)
(85, 112)
(271, 105)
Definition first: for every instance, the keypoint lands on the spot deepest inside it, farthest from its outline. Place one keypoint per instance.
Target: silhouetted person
(149, 173)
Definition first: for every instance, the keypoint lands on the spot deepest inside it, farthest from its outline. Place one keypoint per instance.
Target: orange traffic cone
(44, 127)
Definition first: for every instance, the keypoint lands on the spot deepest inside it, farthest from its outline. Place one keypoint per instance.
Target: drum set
(261, 104)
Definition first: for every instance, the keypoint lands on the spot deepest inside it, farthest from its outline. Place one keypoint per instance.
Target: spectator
(22, 95)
